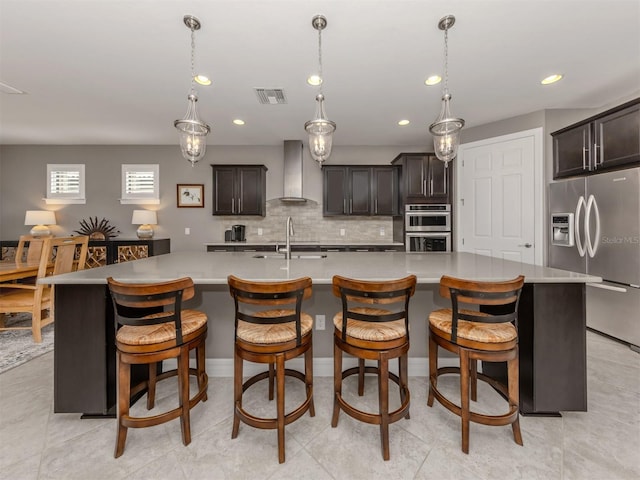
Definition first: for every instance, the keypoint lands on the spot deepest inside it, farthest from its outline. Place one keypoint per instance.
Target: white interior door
(500, 197)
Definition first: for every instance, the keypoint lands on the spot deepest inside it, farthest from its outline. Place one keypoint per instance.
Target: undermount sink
(304, 256)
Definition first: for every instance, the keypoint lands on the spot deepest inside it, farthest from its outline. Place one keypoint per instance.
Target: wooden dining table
(17, 270)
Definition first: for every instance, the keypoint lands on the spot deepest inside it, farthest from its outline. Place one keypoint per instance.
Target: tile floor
(603, 443)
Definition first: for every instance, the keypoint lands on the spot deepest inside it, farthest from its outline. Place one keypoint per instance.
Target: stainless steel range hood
(293, 172)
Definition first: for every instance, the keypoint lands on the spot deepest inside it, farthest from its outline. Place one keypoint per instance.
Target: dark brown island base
(552, 326)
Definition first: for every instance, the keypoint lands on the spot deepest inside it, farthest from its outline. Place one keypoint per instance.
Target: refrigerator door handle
(592, 247)
(578, 235)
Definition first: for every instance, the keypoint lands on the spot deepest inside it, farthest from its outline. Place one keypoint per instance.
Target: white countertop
(210, 268)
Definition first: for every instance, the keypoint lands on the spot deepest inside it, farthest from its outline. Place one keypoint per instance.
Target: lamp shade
(144, 217)
(40, 218)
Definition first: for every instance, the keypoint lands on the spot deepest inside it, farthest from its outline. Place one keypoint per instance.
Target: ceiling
(117, 72)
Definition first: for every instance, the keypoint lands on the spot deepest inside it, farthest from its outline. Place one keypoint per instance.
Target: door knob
(526, 245)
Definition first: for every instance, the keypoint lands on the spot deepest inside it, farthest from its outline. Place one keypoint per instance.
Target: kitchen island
(551, 316)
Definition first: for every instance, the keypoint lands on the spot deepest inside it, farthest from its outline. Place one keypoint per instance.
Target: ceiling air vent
(270, 96)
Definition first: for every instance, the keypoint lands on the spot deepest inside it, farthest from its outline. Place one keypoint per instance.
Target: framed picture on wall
(190, 195)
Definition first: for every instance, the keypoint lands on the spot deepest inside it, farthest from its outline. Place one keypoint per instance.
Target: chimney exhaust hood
(293, 172)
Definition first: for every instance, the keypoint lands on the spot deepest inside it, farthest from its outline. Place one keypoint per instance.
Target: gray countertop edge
(208, 269)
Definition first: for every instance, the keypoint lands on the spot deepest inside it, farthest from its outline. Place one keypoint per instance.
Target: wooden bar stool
(148, 338)
(268, 330)
(371, 333)
(476, 335)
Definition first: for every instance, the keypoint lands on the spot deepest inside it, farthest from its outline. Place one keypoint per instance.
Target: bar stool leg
(151, 385)
(433, 368)
(280, 404)
(237, 392)
(473, 371)
(383, 393)
(464, 398)
(337, 383)
(361, 377)
(271, 380)
(308, 378)
(183, 388)
(514, 395)
(404, 380)
(200, 367)
(124, 399)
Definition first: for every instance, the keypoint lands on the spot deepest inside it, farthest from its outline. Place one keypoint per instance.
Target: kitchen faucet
(288, 232)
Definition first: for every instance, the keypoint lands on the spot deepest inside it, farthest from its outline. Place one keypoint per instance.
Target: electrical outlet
(342, 232)
(187, 231)
(320, 322)
(259, 231)
(382, 231)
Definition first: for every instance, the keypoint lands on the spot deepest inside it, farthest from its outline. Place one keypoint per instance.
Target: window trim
(140, 198)
(53, 198)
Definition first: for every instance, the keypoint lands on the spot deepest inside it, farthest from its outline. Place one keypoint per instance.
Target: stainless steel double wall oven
(427, 227)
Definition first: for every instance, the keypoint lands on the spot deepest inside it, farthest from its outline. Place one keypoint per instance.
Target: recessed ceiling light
(237, 121)
(433, 80)
(402, 123)
(551, 79)
(314, 80)
(202, 79)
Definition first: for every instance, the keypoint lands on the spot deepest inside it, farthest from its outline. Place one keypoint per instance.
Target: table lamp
(40, 219)
(144, 218)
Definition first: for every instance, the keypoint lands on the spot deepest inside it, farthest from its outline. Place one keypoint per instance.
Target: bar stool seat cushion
(192, 320)
(473, 331)
(274, 332)
(371, 331)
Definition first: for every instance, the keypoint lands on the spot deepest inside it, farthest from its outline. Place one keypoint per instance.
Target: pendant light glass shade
(193, 133)
(320, 131)
(446, 132)
(446, 129)
(192, 130)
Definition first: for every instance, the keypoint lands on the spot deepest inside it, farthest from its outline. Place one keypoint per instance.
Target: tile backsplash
(309, 225)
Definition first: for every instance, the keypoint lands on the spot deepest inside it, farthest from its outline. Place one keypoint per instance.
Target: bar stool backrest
(494, 294)
(354, 292)
(268, 295)
(133, 302)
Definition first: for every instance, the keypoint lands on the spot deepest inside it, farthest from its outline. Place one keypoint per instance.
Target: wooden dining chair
(68, 254)
(30, 247)
(488, 335)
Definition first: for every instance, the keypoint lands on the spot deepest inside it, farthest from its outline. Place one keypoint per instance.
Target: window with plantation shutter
(140, 184)
(65, 183)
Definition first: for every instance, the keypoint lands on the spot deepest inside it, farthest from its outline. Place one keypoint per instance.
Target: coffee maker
(237, 233)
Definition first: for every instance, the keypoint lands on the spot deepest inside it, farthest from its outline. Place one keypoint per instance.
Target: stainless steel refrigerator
(595, 229)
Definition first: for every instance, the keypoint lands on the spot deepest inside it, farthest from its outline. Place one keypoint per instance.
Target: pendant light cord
(446, 61)
(193, 61)
(320, 58)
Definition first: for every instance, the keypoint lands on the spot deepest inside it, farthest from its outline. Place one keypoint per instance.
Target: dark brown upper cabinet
(239, 189)
(360, 190)
(606, 141)
(424, 178)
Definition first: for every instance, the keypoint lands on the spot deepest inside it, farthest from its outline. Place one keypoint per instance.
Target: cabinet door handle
(584, 151)
(344, 205)
(233, 205)
(424, 187)
(526, 245)
(431, 186)
(239, 204)
(375, 207)
(595, 155)
(351, 205)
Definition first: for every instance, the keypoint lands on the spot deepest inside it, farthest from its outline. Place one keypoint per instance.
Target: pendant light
(192, 130)
(446, 129)
(320, 129)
